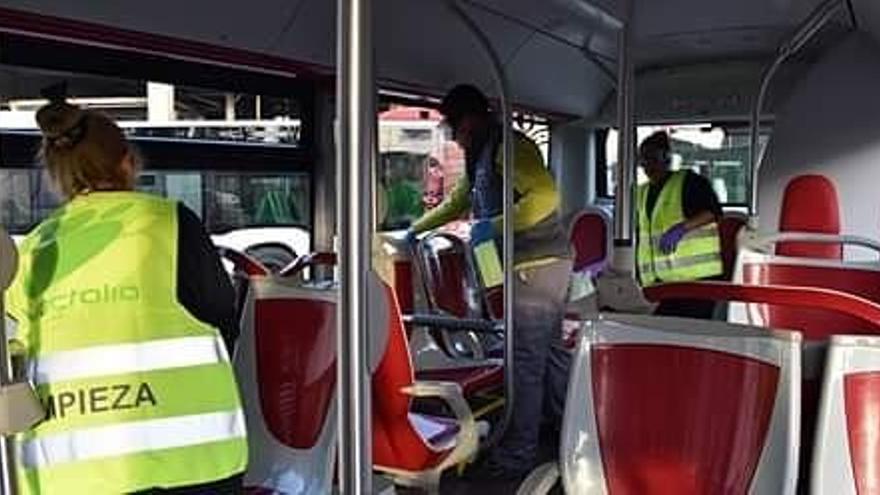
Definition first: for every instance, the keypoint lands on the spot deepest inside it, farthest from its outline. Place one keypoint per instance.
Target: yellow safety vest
(697, 256)
(139, 393)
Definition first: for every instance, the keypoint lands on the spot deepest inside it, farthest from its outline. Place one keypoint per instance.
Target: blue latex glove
(670, 239)
(482, 231)
(411, 238)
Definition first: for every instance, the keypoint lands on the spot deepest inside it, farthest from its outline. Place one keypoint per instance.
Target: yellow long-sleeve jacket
(538, 231)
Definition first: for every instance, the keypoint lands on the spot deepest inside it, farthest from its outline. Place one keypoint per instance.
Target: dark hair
(82, 149)
(656, 148)
(462, 100)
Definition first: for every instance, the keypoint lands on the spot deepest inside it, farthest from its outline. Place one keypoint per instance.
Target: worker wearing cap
(678, 213)
(542, 266)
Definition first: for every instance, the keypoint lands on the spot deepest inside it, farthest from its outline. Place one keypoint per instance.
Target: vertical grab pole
(507, 160)
(8, 267)
(356, 118)
(623, 205)
(754, 134)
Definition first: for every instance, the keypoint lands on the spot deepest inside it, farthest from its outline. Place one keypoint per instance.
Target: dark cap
(462, 100)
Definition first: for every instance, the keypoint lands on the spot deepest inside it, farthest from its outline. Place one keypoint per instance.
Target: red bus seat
(757, 266)
(402, 441)
(837, 306)
(447, 280)
(728, 230)
(848, 444)
(721, 416)
(286, 369)
(473, 377)
(810, 204)
(452, 287)
(591, 239)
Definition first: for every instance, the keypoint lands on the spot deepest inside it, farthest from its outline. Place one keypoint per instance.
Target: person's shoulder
(188, 221)
(694, 178)
(526, 151)
(184, 211)
(521, 140)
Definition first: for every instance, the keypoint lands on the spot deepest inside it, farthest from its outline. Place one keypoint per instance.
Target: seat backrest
(442, 261)
(815, 324)
(395, 441)
(728, 230)
(847, 447)
(810, 204)
(663, 406)
(286, 369)
(590, 236)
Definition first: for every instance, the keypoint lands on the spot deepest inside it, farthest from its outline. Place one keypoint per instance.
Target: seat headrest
(810, 204)
(589, 237)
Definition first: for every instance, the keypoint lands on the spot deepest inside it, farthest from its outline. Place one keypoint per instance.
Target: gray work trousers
(541, 363)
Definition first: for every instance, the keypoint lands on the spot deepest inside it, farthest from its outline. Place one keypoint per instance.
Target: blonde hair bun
(83, 149)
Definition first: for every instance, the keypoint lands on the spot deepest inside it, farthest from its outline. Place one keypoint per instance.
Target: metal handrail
(807, 30)
(763, 243)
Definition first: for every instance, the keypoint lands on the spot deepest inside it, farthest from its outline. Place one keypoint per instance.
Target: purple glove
(670, 239)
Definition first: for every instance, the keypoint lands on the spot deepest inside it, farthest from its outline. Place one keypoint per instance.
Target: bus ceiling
(559, 56)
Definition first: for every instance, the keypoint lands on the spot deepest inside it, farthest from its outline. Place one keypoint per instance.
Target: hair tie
(68, 139)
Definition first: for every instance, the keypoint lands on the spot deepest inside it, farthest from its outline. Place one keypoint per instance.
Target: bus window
(257, 200)
(238, 160)
(17, 208)
(718, 152)
(418, 164)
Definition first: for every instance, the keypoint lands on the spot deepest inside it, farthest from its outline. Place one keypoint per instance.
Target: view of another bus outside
(419, 163)
(718, 152)
(242, 201)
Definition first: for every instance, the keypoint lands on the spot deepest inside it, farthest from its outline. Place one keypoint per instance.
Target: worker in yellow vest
(116, 310)
(541, 262)
(678, 213)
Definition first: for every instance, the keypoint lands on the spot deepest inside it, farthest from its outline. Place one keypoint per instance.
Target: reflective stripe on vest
(697, 256)
(131, 438)
(128, 358)
(139, 393)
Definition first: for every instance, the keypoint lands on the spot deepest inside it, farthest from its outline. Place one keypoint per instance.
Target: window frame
(602, 166)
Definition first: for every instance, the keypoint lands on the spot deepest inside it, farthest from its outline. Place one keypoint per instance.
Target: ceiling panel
(420, 42)
(868, 16)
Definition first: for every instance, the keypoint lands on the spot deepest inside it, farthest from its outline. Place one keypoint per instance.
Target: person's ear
(129, 170)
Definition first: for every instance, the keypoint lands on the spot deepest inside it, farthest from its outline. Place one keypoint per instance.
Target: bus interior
(306, 136)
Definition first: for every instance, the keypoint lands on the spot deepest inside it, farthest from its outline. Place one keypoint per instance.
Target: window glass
(236, 200)
(418, 165)
(719, 153)
(156, 110)
(538, 130)
(223, 200)
(217, 128)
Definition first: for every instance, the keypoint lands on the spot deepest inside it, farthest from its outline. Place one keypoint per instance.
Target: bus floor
(453, 484)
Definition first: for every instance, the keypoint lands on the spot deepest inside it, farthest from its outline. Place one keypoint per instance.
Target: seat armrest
(453, 323)
(540, 481)
(466, 441)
